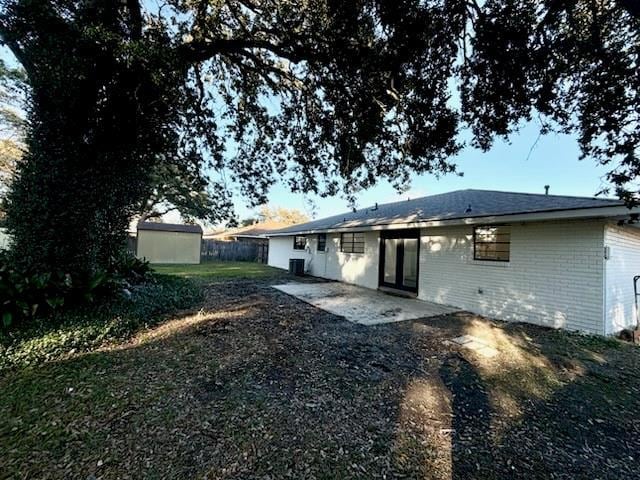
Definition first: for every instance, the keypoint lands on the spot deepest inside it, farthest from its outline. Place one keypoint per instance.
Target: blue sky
(507, 166)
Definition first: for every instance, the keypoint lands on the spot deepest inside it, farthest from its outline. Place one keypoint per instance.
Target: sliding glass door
(399, 252)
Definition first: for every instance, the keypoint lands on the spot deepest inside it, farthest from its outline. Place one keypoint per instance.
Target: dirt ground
(259, 385)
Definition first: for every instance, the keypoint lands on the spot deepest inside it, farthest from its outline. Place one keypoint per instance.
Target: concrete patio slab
(362, 305)
(477, 345)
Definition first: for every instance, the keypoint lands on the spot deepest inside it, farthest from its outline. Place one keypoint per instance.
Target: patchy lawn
(220, 270)
(260, 385)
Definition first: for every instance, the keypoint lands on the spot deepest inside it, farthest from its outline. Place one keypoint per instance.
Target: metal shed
(168, 242)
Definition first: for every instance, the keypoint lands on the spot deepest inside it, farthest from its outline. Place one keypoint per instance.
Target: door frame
(388, 234)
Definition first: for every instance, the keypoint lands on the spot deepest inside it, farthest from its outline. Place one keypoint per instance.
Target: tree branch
(243, 66)
(238, 18)
(631, 6)
(7, 39)
(194, 52)
(263, 68)
(135, 14)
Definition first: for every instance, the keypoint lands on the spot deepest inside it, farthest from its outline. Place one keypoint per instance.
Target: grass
(254, 384)
(219, 270)
(176, 287)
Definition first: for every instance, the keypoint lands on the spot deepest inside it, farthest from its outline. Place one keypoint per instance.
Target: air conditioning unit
(296, 266)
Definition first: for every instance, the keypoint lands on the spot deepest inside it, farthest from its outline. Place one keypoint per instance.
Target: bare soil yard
(259, 385)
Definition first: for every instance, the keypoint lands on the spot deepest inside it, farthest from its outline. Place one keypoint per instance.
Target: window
(352, 242)
(322, 242)
(299, 242)
(492, 243)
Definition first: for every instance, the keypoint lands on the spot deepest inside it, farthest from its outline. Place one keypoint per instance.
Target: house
(560, 261)
(255, 233)
(249, 243)
(168, 242)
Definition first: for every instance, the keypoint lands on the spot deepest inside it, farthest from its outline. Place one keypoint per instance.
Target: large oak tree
(326, 94)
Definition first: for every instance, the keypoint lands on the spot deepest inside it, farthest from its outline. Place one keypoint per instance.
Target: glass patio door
(399, 260)
(410, 263)
(390, 260)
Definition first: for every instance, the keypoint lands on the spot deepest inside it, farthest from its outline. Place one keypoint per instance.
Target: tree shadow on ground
(573, 415)
(260, 385)
(471, 421)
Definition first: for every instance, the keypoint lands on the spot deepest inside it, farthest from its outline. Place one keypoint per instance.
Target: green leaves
(54, 333)
(7, 318)
(27, 296)
(55, 302)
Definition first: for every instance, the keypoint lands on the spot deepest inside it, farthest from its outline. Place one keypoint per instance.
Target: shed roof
(169, 227)
(456, 205)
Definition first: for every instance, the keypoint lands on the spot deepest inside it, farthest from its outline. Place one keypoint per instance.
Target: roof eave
(568, 214)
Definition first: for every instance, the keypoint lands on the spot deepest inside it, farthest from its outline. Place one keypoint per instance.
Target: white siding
(168, 247)
(622, 266)
(281, 250)
(356, 268)
(554, 276)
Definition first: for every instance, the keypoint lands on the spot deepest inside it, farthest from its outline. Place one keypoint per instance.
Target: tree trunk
(70, 203)
(86, 167)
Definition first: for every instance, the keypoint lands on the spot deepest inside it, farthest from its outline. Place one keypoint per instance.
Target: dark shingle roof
(453, 205)
(169, 227)
(252, 231)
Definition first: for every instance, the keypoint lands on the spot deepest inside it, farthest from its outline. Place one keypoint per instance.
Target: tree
(328, 95)
(575, 64)
(173, 187)
(12, 126)
(289, 216)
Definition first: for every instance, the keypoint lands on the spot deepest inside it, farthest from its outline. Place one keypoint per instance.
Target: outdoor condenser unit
(296, 266)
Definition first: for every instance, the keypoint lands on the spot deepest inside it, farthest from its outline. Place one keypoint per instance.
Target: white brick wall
(554, 276)
(281, 250)
(622, 266)
(356, 268)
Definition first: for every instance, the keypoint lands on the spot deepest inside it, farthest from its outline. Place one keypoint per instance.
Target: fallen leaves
(260, 385)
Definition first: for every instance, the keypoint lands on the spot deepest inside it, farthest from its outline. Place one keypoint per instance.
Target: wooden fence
(234, 251)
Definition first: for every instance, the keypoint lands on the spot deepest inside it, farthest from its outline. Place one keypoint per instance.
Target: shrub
(24, 296)
(131, 269)
(27, 295)
(82, 328)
